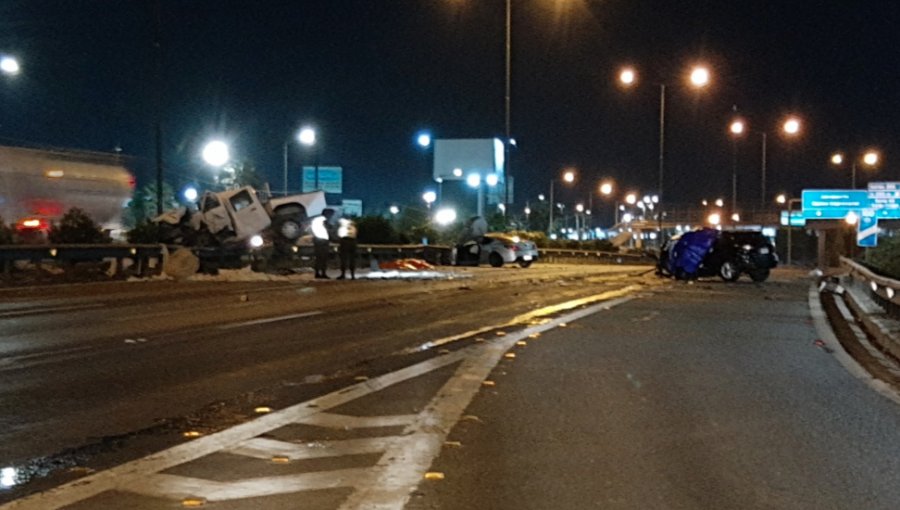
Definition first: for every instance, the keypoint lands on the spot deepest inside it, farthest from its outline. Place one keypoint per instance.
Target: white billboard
(455, 159)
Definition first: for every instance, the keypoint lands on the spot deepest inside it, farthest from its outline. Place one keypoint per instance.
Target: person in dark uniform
(322, 234)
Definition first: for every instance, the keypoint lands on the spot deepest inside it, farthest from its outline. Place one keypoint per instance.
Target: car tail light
(32, 224)
(512, 247)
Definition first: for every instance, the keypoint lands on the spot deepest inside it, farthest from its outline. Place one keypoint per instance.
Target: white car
(499, 249)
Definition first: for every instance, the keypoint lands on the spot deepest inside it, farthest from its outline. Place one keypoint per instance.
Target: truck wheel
(290, 229)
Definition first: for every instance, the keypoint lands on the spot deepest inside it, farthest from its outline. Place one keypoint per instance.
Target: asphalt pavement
(710, 396)
(686, 395)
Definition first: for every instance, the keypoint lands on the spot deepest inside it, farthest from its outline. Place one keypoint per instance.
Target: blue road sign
(330, 179)
(867, 229)
(884, 197)
(833, 204)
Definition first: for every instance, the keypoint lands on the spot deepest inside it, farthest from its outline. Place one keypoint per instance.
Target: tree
(375, 230)
(142, 205)
(76, 227)
(240, 174)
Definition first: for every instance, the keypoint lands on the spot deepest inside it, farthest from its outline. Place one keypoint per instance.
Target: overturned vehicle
(228, 223)
(709, 252)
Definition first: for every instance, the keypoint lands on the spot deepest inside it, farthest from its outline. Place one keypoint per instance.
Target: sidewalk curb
(823, 329)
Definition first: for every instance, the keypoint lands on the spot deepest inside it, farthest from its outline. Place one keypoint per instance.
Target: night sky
(369, 74)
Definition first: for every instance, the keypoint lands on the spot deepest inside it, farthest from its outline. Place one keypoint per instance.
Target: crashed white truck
(226, 222)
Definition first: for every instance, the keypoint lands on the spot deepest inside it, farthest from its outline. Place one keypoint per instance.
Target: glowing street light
(851, 218)
(781, 199)
(631, 198)
(457, 172)
(394, 209)
(627, 76)
(307, 136)
(720, 202)
(216, 153)
(424, 140)
(714, 219)
(190, 194)
(445, 216)
(473, 180)
(870, 158)
(491, 179)
(606, 188)
(791, 126)
(569, 176)
(700, 76)
(736, 127)
(429, 197)
(9, 65)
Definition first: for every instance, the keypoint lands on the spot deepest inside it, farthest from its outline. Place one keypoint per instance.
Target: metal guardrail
(146, 259)
(569, 256)
(883, 290)
(140, 254)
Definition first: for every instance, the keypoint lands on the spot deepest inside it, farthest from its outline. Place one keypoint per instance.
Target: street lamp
(423, 140)
(311, 137)
(870, 159)
(790, 128)
(9, 65)
(429, 197)
(698, 78)
(307, 137)
(737, 129)
(216, 153)
(569, 177)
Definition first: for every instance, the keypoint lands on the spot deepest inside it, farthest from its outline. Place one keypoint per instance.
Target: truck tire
(288, 222)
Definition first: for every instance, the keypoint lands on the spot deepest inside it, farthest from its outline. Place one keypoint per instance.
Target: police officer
(347, 247)
(322, 234)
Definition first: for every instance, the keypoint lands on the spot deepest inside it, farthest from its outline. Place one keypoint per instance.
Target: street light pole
(285, 168)
(506, 177)
(762, 195)
(662, 137)
(552, 205)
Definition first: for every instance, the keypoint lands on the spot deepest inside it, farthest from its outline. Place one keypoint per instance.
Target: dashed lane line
(268, 320)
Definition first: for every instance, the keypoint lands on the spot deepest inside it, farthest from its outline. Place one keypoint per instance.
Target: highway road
(95, 374)
(550, 387)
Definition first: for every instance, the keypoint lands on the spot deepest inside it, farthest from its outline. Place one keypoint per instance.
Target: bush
(885, 258)
(6, 233)
(76, 227)
(145, 232)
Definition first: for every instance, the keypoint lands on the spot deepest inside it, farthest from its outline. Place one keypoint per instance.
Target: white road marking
(343, 421)
(179, 487)
(264, 448)
(270, 319)
(384, 486)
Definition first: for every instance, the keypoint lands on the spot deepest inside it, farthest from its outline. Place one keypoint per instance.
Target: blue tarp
(689, 251)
